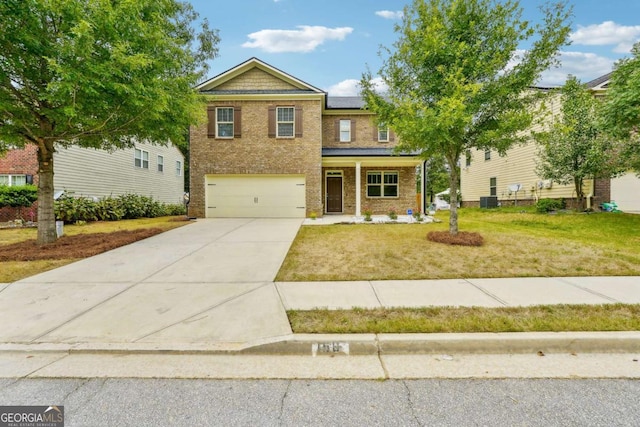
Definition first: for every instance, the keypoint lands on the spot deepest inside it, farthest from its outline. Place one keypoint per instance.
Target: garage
(625, 190)
(255, 196)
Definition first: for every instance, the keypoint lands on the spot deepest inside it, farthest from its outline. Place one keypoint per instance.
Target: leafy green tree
(456, 79)
(99, 73)
(574, 147)
(622, 108)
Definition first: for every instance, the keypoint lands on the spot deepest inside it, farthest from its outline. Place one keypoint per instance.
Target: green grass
(518, 243)
(548, 318)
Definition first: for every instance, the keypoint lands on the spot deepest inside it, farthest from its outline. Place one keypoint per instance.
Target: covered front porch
(358, 180)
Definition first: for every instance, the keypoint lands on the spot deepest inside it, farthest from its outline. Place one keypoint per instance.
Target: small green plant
(367, 214)
(417, 216)
(549, 205)
(313, 216)
(393, 214)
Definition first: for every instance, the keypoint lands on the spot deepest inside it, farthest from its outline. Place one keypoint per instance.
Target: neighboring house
(275, 146)
(487, 177)
(149, 170)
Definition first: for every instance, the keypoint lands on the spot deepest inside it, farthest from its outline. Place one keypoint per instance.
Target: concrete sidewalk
(208, 288)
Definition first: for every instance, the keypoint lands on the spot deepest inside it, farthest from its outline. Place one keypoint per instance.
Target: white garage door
(256, 196)
(626, 192)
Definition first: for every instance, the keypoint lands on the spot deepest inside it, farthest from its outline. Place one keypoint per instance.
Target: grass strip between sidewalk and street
(544, 318)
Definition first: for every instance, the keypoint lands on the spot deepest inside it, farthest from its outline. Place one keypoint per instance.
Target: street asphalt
(208, 289)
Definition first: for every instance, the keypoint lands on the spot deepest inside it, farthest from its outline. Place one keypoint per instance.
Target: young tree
(99, 74)
(574, 147)
(622, 108)
(456, 79)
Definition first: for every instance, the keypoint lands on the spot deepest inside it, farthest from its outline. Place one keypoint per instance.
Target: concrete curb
(369, 344)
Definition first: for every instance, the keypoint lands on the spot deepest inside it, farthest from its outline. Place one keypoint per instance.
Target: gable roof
(345, 102)
(299, 86)
(600, 83)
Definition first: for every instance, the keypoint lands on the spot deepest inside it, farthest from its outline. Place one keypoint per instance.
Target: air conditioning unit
(489, 202)
(548, 183)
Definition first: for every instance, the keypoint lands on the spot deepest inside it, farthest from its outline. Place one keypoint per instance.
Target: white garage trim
(255, 196)
(625, 191)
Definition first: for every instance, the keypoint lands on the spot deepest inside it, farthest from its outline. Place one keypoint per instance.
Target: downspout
(423, 189)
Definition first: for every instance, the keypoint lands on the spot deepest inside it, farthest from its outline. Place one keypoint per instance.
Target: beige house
(275, 146)
(487, 178)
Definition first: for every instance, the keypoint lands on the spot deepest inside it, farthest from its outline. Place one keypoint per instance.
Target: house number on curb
(330, 347)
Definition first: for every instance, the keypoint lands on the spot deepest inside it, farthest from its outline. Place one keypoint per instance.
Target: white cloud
(351, 87)
(607, 33)
(585, 66)
(389, 14)
(305, 39)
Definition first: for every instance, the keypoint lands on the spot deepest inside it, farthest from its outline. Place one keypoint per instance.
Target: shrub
(175, 209)
(548, 205)
(18, 196)
(463, 238)
(71, 209)
(109, 209)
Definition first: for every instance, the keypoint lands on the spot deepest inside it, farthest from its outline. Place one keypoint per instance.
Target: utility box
(489, 202)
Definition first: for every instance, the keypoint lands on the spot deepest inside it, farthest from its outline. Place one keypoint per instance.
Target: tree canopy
(457, 78)
(622, 108)
(99, 74)
(574, 147)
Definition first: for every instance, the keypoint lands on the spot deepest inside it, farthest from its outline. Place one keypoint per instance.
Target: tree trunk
(46, 216)
(453, 197)
(579, 194)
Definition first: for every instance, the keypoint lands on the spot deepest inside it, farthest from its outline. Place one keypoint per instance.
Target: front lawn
(517, 243)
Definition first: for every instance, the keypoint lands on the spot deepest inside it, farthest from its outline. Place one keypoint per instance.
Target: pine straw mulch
(463, 238)
(71, 247)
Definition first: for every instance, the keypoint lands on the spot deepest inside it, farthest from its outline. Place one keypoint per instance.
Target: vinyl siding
(516, 167)
(99, 173)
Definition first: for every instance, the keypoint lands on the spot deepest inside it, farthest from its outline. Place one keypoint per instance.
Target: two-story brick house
(275, 146)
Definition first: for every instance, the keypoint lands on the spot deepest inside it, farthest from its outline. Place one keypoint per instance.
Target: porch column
(358, 184)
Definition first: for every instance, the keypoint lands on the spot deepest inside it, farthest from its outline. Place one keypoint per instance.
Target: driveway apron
(209, 282)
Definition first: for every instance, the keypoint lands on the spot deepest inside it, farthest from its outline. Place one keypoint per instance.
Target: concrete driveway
(209, 282)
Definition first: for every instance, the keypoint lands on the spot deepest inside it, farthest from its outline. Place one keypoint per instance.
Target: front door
(334, 194)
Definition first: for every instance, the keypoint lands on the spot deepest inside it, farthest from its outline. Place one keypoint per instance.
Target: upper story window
(160, 164)
(224, 122)
(178, 168)
(487, 154)
(467, 155)
(383, 134)
(13, 180)
(345, 130)
(141, 159)
(285, 118)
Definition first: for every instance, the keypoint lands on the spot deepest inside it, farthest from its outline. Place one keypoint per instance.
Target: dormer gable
(254, 77)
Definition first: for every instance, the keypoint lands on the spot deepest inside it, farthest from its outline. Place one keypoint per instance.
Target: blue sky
(329, 43)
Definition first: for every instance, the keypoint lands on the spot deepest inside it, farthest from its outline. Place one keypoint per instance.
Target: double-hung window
(178, 168)
(285, 120)
(13, 180)
(487, 154)
(345, 130)
(141, 159)
(382, 184)
(224, 122)
(383, 133)
(160, 164)
(493, 186)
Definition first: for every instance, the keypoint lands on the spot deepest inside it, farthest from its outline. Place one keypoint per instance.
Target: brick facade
(22, 161)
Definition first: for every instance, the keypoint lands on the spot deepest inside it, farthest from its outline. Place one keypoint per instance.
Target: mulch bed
(463, 238)
(71, 247)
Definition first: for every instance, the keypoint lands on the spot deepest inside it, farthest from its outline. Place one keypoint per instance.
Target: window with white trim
(14, 180)
(285, 119)
(382, 184)
(224, 122)
(487, 154)
(160, 164)
(178, 168)
(493, 186)
(345, 130)
(141, 159)
(383, 134)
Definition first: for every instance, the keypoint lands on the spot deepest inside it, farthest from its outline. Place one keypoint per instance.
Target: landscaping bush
(175, 209)
(109, 209)
(549, 205)
(18, 196)
(72, 209)
(463, 238)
